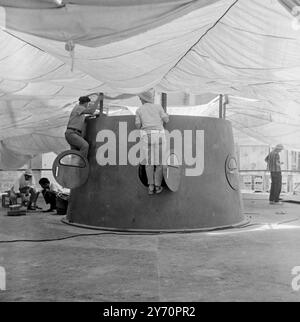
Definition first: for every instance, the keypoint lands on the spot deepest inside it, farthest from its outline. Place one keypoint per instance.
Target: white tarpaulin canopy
(52, 52)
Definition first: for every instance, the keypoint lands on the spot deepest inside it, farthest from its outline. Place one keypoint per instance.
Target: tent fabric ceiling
(94, 23)
(242, 48)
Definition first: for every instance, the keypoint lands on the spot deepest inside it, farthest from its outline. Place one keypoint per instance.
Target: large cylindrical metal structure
(114, 196)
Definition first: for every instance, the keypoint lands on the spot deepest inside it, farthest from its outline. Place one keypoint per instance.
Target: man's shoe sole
(159, 191)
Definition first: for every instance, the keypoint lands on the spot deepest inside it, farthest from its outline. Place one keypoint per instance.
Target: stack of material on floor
(16, 210)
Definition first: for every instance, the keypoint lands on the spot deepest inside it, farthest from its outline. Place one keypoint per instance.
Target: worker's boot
(151, 189)
(30, 207)
(158, 189)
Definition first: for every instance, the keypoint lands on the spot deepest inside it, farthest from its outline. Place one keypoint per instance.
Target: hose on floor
(114, 233)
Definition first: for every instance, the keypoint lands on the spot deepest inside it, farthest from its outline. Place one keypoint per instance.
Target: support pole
(220, 106)
(164, 101)
(224, 105)
(101, 103)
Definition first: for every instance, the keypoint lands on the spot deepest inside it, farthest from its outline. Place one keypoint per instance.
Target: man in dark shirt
(274, 166)
(75, 128)
(50, 191)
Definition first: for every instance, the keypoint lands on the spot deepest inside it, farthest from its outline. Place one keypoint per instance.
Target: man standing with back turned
(75, 128)
(150, 118)
(274, 166)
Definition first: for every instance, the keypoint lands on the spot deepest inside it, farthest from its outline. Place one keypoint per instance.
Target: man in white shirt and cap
(150, 118)
(27, 187)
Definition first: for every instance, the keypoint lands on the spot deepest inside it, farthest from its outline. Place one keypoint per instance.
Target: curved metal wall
(115, 198)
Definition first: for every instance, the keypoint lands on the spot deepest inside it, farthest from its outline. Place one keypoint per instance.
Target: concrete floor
(248, 264)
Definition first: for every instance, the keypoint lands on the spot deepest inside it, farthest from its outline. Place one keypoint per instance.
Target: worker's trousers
(77, 142)
(154, 145)
(276, 181)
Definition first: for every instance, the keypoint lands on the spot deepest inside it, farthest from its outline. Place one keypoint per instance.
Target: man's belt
(73, 129)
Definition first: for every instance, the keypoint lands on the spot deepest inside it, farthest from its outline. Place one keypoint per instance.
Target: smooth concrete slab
(249, 264)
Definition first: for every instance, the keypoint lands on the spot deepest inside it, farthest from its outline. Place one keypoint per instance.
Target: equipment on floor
(16, 210)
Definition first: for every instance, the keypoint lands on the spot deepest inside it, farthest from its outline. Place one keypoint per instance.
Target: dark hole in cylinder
(143, 176)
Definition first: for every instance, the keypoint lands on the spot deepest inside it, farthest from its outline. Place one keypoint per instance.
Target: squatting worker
(75, 127)
(27, 187)
(274, 166)
(50, 193)
(150, 118)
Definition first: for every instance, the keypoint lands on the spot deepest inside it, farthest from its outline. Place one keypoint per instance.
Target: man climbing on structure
(150, 118)
(76, 125)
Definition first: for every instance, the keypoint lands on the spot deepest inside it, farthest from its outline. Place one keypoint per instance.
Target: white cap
(147, 96)
(28, 172)
(279, 147)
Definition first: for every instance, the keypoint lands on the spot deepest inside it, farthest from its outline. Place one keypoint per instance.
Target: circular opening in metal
(73, 160)
(172, 172)
(70, 169)
(143, 176)
(231, 172)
